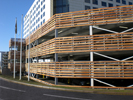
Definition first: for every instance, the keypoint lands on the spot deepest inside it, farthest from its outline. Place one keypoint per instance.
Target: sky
(9, 11)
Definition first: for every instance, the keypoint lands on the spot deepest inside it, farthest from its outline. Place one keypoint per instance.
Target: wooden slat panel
(109, 15)
(85, 69)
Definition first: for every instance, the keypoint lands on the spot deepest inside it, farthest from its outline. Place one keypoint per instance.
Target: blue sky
(9, 10)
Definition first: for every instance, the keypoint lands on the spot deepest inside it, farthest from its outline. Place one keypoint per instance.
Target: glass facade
(60, 6)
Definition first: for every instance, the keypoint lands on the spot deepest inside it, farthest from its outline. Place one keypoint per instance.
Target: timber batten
(74, 41)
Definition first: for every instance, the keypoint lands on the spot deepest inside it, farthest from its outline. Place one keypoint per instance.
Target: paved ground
(13, 91)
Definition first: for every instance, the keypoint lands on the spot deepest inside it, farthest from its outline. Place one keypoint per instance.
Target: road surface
(13, 91)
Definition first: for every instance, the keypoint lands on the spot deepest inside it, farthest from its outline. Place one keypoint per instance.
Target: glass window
(94, 7)
(87, 1)
(44, 14)
(59, 2)
(123, 1)
(43, 6)
(130, 3)
(65, 8)
(118, 1)
(65, 2)
(95, 2)
(44, 21)
(110, 5)
(104, 4)
(61, 6)
(87, 7)
(110, 0)
(59, 10)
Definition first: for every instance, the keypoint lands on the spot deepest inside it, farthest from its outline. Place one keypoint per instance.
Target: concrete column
(56, 57)
(91, 58)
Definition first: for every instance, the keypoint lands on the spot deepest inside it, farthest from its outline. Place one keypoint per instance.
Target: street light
(29, 51)
(21, 48)
(15, 46)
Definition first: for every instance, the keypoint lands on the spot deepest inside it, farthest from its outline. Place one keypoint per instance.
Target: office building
(41, 10)
(17, 55)
(4, 59)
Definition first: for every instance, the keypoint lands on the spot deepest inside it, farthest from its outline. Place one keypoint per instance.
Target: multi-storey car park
(94, 45)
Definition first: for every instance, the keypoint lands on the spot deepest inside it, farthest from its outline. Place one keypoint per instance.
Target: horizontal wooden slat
(82, 69)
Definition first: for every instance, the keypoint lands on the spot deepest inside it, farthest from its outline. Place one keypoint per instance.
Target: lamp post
(21, 49)
(29, 51)
(15, 47)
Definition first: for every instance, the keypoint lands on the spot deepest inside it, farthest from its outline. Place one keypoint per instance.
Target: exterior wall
(4, 59)
(76, 6)
(11, 54)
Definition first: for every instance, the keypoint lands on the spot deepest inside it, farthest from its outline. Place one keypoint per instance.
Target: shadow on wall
(6, 71)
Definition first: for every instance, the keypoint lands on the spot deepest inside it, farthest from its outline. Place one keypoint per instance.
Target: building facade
(4, 59)
(90, 46)
(17, 55)
(41, 10)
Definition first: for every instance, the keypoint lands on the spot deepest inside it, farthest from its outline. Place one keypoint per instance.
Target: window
(110, 5)
(44, 21)
(95, 2)
(44, 14)
(94, 7)
(87, 1)
(36, 21)
(87, 7)
(104, 4)
(43, 6)
(123, 1)
(118, 1)
(59, 2)
(61, 6)
(130, 3)
(110, 0)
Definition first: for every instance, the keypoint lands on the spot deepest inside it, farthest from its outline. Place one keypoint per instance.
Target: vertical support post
(91, 58)
(56, 58)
